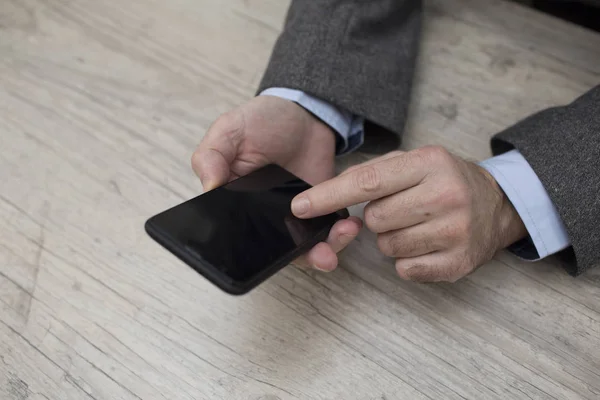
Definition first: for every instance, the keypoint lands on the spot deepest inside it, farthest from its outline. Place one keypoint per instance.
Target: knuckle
(402, 267)
(418, 272)
(395, 244)
(457, 271)
(415, 273)
(350, 169)
(408, 206)
(420, 156)
(382, 244)
(446, 271)
(453, 231)
(456, 195)
(426, 274)
(465, 229)
(477, 259)
(398, 245)
(385, 245)
(449, 231)
(464, 261)
(453, 270)
(461, 196)
(196, 160)
(453, 277)
(374, 215)
(230, 123)
(399, 161)
(440, 153)
(368, 179)
(428, 243)
(223, 121)
(437, 154)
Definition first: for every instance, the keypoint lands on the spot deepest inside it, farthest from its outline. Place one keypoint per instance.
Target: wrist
(313, 155)
(510, 226)
(338, 121)
(323, 134)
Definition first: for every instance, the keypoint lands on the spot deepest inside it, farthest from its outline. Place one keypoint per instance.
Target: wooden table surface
(101, 105)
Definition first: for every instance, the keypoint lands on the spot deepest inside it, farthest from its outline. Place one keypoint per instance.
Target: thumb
(211, 167)
(217, 151)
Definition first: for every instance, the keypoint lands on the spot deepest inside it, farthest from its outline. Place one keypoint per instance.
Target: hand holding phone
(241, 233)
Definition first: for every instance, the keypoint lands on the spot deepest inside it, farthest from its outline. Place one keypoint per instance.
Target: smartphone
(242, 233)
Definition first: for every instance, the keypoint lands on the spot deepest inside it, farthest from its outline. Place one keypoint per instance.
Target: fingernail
(207, 184)
(300, 205)
(319, 269)
(346, 238)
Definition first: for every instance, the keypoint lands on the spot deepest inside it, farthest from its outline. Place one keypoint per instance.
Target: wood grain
(101, 105)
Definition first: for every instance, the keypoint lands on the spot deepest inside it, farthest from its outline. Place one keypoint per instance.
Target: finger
(341, 234)
(321, 257)
(364, 184)
(412, 242)
(401, 210)
(216, 152)
(434, 267)
(373, 161)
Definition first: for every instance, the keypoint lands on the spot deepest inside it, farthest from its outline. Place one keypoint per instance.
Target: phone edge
(192, 261)
(232, 287)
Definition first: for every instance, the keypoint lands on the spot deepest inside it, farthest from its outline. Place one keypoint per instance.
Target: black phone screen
(242, 228)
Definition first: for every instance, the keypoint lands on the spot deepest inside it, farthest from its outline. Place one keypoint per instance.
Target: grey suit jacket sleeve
(562, 145)
(360, 55)
(356, 54)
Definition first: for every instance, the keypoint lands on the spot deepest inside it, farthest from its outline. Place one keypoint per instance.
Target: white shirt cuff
(349, 127)
(531, 201)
